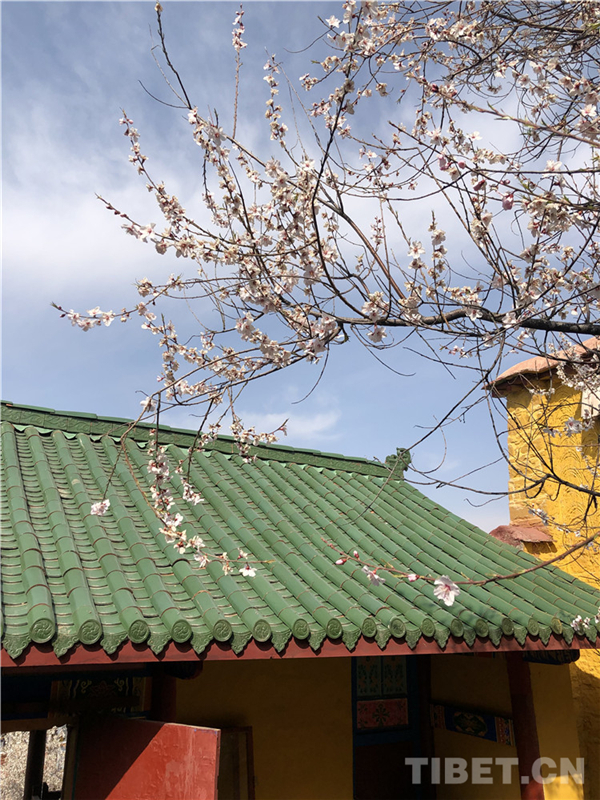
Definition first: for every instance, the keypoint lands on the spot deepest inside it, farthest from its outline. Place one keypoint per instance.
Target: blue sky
(68, 68)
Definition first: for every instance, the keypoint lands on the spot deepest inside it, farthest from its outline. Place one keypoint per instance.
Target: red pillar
(528, 747)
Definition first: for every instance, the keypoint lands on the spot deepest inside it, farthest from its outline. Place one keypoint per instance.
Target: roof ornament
(399, 461)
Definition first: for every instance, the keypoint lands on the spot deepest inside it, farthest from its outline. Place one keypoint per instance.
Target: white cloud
(301, 428)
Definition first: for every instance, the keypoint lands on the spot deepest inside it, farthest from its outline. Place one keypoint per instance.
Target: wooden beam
(34, 770)
(129, 654)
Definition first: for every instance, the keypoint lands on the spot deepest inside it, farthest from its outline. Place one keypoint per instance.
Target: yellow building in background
(552, 457)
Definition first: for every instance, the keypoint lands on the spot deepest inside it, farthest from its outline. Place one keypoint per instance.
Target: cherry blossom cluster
(92, 319)
(246, 438)
(238, 31)
(99, 509)
(444, 588)
(579, 624)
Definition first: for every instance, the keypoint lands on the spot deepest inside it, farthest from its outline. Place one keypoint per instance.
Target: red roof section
(541, 364)
(514, 534)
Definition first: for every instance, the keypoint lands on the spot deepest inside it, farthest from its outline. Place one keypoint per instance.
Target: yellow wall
(573, 458)
(556, 727)
(300, 711)
(478, 684)
(476, 681)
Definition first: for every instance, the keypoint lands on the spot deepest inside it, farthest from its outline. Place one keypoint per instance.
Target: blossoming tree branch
(492, 133)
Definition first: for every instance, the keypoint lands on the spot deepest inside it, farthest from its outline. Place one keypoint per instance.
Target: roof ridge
(93, 424)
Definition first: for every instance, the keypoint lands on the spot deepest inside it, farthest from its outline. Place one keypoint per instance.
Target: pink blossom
(197, 542)
(374, 578)
(415, 249)
(437, 237)
(107, 317)
(87, 324)
(377, 334)
(148, 405)
(412, 577)
(572, 426)
(446, 590)
(245, 327)
(193, 497)
(553, 166)
(237, 33)
(247, 571)
(436, 136)
(100, 509)
(376, 307)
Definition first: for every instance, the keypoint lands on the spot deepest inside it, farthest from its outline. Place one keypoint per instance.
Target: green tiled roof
(70, 577)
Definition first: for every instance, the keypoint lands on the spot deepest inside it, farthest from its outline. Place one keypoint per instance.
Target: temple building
(282, 669)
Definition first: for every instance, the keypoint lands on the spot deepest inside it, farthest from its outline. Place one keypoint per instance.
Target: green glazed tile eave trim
(350, 638)
(16, 644)
(63, 643)
(112, 641)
